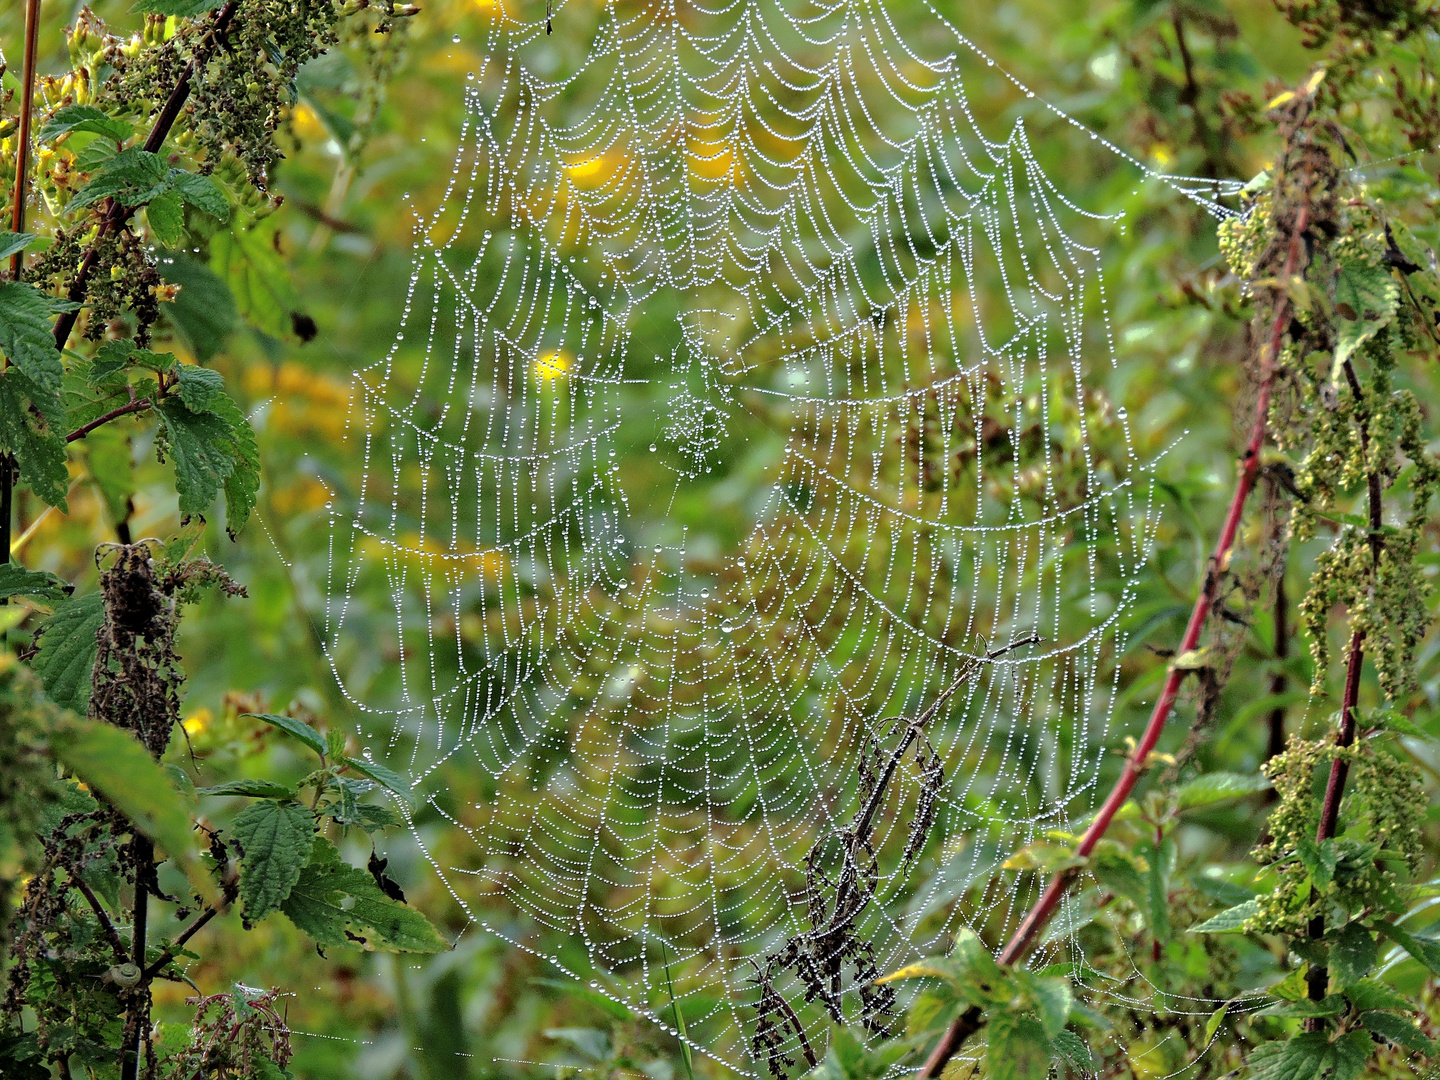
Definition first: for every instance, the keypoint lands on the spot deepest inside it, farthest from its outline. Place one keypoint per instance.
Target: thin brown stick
(107, 927)
(117, 214)
(227, 896)
(1035, 921)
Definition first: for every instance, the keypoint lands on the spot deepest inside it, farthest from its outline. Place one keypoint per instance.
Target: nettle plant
(150, 162)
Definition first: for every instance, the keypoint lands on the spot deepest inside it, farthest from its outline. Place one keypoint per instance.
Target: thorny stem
(968, 1022)
(1318, 980)
(118, 214)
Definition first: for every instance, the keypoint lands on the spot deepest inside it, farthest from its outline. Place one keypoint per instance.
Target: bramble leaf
(1073, 1049)
(66, 652)
(27, 339)
(1399, 1031)
(201, 192)
(199, 387)
(1366, 298)
(333, 898)
(166, 215)
(298, 728)
(276, 839)
(197, 443)
(1370, 994)
(39, 451)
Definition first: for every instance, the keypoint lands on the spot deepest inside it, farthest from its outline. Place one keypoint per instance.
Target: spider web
(739, 408)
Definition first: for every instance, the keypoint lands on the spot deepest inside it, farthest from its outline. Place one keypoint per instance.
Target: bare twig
(106, 926)
(227, 896)
(138, 405)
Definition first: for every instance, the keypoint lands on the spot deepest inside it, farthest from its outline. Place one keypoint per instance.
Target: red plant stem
(22, 148)
(138, 405)
(968, 1022)
(118, 214)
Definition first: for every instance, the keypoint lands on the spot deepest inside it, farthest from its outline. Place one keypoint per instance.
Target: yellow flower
(553, 365)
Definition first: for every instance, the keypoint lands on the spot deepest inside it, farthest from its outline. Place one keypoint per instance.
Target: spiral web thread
(762, 247)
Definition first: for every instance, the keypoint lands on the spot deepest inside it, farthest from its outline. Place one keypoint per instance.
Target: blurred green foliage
(1181, 84)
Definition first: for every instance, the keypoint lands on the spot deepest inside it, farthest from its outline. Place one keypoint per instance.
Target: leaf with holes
(276, 839)
(198, 443)
(336, 903)
(41, 585)
(1366, 298)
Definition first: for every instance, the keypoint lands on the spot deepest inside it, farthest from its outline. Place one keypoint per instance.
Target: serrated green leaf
(298, 728)
(202, 193)
(199, 387)
(1210, 788)
(258, 789)
(1073, 1049)
(1121, 875)
(332, 897)
(1366, 298)
(38, 448)
(27, 339)
(1319, 860)
(1370, 994)
(1352, 953)
(132, 178)
(203, 312)
(15, 580)
(165, 214)
(1304, 1009)
(200, 444)
(276, 838)
(1219, 889)
(242, 486)
(1312, 1056)
(1232, 919)
(1017, 1048)
(1399, 1031)
(391, 781)
(11, 242)
(1050, 997)
(84, 118)
(65, 656)
(113, 763)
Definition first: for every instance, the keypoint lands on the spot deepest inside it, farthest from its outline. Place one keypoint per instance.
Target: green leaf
(1232, 919)
(298, 728)
(592, 1043)
(1219, 889)
(1312, 1056)
(246, 259)
(1304, 1009)
(113, 763)
(203, 312)
(27, 339)
(1210, 788)
(1051, 998)
(276, 839)
(11, 242)
(202, 193)
(1366, 298)
(392, 782)
(1073, 1049)
(201, 446)
(1370, 994)
(258, 789)
(1017, 1048)
(132, 178)
(66, 653)
(332, 897)
(1422, 949)
(38, 448)
(242, 486)
(1399, 1031)
(1352, 954)
(84, 118)
(1120, 874)
(608, 1005)
(15, 580)
(199, 388)
(1157, 895)
(1320, 860)
(166, 215)
(180, 9)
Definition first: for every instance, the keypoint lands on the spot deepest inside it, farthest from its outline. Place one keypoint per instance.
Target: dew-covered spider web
(748, 399)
